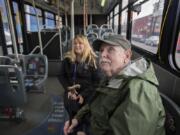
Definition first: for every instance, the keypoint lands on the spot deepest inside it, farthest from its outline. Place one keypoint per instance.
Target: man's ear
(128, 55)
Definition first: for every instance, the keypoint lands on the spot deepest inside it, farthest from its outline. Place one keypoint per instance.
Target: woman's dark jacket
(85, 75)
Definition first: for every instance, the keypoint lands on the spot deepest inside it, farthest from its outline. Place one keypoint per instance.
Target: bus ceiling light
(102, 3)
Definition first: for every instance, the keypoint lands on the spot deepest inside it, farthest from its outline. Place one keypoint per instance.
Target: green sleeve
(82, 112)
(141, 113)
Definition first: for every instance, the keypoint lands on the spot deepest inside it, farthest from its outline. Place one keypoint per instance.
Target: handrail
(92, 33)
(6, 57)
(12, 29)
(10, 59)
(38, 25)
(50, 41)
(105, 26)
(35, 48)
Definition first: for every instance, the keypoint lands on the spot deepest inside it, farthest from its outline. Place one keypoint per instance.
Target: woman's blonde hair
(88, 54)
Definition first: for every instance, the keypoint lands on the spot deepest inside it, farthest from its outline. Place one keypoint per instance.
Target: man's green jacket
(129, 104)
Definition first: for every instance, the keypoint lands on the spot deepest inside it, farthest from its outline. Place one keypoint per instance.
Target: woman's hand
(69, 128)
(81, 99)
(73, 96)
(72, 91)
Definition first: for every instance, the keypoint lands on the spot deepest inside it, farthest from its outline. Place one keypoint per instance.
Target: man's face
(112, 59)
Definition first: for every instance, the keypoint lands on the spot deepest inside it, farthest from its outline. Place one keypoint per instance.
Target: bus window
(116, 18)
(108, 20)
(5, 24)
(111, 18)
(9, 50)
(31, 18)
(146, 25)
(59, 21)
(49, 20)
(124, 23)
(123, 19)
(124, 3)
(18, 25)
(177, 55)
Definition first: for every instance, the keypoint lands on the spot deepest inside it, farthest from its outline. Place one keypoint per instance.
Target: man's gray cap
(114, 40)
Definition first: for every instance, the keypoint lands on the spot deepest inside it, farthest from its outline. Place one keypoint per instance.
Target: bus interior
(35, 35)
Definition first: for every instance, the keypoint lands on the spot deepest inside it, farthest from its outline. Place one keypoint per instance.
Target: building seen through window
(146, 25)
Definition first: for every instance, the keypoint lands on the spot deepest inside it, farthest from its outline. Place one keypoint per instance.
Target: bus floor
(44, 113)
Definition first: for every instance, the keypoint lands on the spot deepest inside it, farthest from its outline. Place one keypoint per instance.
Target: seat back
(12, 90)
(105, 30)
(92, 36)
(36, 70)
(172, 123)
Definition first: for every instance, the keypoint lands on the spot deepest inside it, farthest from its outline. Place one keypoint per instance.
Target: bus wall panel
(166, 81)
(177, 91)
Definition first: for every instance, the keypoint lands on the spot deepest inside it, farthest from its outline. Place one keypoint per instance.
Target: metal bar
(39, 31)
(59, 31)
(72, 20)
(66, 24)
(9, 15)
(46, 45)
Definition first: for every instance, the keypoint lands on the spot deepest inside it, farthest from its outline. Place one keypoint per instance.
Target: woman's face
(78, 47)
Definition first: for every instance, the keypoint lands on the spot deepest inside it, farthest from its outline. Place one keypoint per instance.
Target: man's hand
(69, 128)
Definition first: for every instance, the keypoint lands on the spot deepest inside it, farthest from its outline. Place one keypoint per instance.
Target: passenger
(79, 75)
(128, 102)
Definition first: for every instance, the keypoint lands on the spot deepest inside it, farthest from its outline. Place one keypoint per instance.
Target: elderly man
(127, 101)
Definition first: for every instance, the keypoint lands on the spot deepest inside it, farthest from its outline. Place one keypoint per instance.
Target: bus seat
(12, 86)
(92, 26)
(105, 26)
(12, 93)
(36, 72)
(172, 123)
(105, 32)
(92, 36)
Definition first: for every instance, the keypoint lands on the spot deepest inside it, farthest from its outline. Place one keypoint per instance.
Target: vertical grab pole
(9, 15)
(66, 24)
(84, 19)
(72, 20)
(86, 14)
(39, 31)
(72, 37)
(59, 31)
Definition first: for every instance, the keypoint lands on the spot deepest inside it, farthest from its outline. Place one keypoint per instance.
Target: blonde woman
(79, 75)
